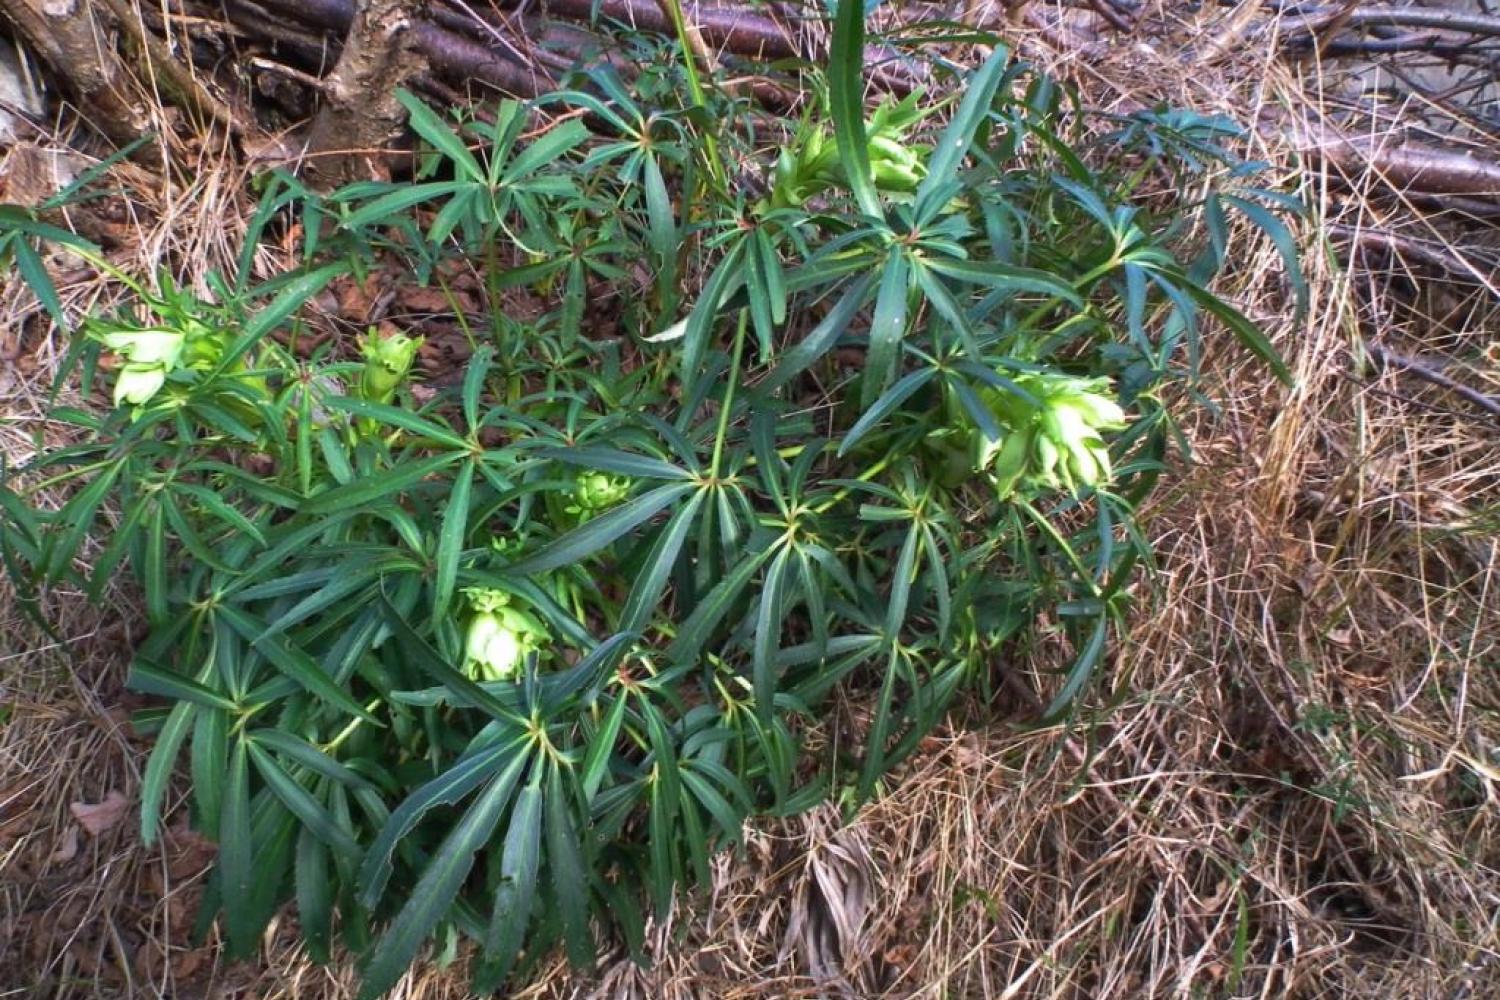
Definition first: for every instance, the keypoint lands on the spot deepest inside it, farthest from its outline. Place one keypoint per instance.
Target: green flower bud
(388, 360)
(597, 491)
(1007, 463)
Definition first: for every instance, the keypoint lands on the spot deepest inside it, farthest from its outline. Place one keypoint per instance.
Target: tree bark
(360, 114)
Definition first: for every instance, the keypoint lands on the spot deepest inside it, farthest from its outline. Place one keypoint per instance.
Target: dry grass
(1290, 791)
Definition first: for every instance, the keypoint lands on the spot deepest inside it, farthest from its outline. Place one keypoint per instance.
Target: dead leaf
(186, 963)
(101, 817)
(190, 852)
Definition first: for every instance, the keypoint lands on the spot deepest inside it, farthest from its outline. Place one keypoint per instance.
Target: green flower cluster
(810, 163)
(1054, 438)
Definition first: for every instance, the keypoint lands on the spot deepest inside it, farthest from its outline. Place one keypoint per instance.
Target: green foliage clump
(509, 664)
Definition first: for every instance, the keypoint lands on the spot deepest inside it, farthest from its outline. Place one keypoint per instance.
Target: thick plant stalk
(360, 113)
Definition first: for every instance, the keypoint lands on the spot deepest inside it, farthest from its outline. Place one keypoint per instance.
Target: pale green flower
(388, 359)
(137, 383)
(499, 636)
(150, 354)
(147, 347)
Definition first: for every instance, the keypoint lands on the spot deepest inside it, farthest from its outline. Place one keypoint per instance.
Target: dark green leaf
(446, 789)
(438, 135)
(159, 768)
(651, 582)
(569, 883)
(299, 751)
(292, 661)
(894, 397)
(301, 803)
(887, 328)
(594, 535)
(621, 462)
(820, 340)
(148, 678)
(519, 861)
(451, 540)
(314, 891)
(435, 890)
(237, 872)
(1079, 673)
(942, 165)
(361, 491)
(846, 99)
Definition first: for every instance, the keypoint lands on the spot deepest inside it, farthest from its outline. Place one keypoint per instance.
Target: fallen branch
(1397, 17)
(1407, 166)
(731, 29)
(1444, 260)
(69, 38)
(1425, 371)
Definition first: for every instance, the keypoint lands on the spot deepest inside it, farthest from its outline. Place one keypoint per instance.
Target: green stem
(728, 405)
(673, 9)
(863, 477)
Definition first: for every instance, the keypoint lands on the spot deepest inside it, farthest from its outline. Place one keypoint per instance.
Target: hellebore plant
(507, 666)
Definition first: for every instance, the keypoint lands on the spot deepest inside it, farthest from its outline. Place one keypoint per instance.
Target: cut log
(74, 38)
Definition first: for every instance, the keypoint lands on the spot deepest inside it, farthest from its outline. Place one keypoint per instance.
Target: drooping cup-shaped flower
(1052, 436)
(137, 383)
(148, 346)
(388, 359)
(150, 354)
(499, 636)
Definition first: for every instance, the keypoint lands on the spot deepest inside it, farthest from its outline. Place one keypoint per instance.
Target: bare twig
(1446, 260)
(1428, 373)
(1412, 166)
(1107, 10)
